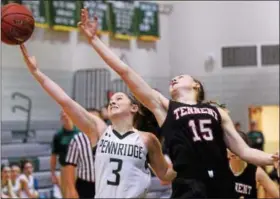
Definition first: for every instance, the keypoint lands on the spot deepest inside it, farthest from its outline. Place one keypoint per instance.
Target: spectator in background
(6, 188)
(15, 173)
(60, 145)
(255, 136)
(27, 181)
(237, 126)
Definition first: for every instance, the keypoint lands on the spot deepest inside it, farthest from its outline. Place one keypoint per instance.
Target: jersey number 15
(202, 131)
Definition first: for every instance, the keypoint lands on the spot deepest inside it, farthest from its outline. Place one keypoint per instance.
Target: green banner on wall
(148, 21)
(100, 9)
(4, 2)
(123, 20)
(64, 14)
(40, 10)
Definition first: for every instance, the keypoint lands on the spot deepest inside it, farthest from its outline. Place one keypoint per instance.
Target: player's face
(184, 82)
(119, 105)
(28, 168)
(6, 173)
(15, 171)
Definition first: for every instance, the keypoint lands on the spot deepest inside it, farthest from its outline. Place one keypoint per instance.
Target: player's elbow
(167, 175)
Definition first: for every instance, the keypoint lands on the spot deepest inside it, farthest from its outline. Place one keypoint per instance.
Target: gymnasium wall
(192, 32)
(207, 26)
(60, 54)
(270, 127)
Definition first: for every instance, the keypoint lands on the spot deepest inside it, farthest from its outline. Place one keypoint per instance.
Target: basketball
(17, 24)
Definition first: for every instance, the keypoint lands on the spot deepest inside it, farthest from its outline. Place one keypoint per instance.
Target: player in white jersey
(123, 112)
(15, 173)
(27, 181)
(121, 165)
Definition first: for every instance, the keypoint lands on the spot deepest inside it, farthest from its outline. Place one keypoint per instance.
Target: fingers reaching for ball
(88, 27)
(24, 53)
(84, 16)
(23, 50)
(30, 61)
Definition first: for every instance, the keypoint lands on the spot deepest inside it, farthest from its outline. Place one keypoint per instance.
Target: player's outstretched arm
(237, 145)
(269, 186)
(159, 165)
(142, 91)
(85, 121)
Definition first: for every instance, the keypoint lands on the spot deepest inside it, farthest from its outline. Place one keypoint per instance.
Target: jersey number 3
(119, 163)
(205, 132)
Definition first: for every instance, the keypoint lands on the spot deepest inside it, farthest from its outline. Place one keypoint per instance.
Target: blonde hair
(200, 93)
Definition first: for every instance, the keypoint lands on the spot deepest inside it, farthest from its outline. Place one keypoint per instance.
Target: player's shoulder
(148, 138)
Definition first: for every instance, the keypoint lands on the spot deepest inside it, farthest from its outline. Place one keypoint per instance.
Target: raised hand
(30, 61)
(87, 27)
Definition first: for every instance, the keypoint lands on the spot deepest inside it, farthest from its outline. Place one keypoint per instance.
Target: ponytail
(200, 97)
(215, 103)
(144, 119)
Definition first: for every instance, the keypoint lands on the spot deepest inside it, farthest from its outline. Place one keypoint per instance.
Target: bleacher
(38, 150)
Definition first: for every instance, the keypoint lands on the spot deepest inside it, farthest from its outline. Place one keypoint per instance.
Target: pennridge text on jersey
(115, 148)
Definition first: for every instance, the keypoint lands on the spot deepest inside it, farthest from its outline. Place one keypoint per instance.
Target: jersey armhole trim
(167, 116)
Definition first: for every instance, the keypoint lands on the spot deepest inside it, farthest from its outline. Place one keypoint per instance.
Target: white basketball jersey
(30, 184)
(16, 187)
(121, 168)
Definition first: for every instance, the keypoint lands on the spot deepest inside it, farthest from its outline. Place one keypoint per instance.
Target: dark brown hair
(215, 103)
(144, 119)
(137, 115)
(23, 163)
(14, 164)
